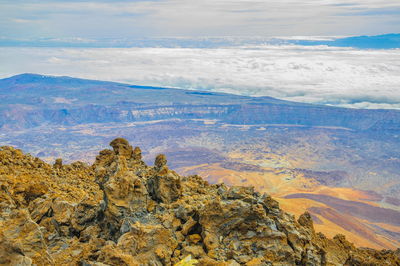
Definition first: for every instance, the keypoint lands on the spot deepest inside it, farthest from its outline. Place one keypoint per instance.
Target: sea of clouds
(314, 74)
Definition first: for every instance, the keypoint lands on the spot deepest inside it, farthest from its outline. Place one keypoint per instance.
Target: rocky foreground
(119, 211)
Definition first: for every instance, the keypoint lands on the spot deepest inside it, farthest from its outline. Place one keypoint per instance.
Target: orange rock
(255, 262)
(195, 238)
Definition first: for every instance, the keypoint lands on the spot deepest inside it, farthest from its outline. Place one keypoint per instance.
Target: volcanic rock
(119, 211)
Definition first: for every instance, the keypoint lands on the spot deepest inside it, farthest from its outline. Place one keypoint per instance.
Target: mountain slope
(119, 211)
(30, 100)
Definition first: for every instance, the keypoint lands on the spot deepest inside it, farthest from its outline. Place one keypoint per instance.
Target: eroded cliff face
(119, 211)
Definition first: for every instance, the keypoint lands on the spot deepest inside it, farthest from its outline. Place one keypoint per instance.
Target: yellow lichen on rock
(187, 261)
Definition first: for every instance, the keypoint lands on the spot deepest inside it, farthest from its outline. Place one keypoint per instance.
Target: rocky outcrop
(119, 211)
(165, 186)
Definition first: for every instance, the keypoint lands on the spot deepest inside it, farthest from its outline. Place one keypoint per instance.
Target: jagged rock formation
(119, 211)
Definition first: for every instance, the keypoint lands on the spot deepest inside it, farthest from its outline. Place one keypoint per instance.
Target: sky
(82, 20)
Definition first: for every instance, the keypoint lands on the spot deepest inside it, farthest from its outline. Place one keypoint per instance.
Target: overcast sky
(160, 18)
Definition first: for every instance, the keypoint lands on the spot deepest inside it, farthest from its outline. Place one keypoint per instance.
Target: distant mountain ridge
(384, 41)
(29, 100)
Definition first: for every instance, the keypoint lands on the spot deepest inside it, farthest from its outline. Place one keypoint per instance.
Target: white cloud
(335, 76)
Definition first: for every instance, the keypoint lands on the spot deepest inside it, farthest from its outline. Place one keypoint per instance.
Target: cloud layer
(318, 74)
